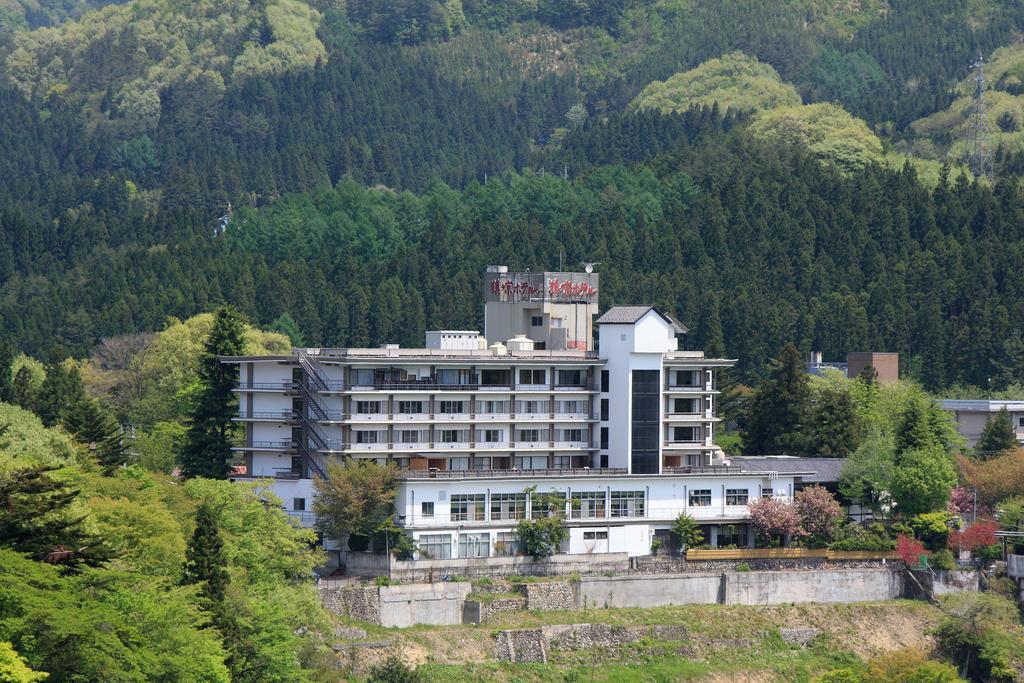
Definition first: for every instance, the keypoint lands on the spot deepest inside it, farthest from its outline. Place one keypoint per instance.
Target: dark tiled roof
(627, 315)
(826, 470)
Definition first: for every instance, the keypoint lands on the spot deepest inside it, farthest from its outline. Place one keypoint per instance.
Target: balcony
(265, 386)
(266, 416)
(267, 446)
(500, 474)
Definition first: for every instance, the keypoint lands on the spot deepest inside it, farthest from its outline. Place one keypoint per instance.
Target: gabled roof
(628, 315)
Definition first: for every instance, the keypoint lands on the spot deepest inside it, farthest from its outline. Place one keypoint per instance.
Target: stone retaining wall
(480, 611)
(667, 565)
(549, 596)
(521, 647)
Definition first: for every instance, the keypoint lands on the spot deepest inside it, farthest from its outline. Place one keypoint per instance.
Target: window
(481, 463)
(435, 546)
(685, 406)
(570, 378)
(532, 407)
(595, 535)
(1020, 421)
(298, 504)
(571, 407)
(531, 377)
(529, 435)
(475, 545)
(530, 462)
(767, 493)
(700, 498)
(732, 535)
(451, 407)
(605, 381)
(492, 407)
(490, 436)
(536, 321)
(410, 436)
(561, 462)
(427, 509)
(367, 407)
(687, 378)
(494, 378)
(627, 503)
(508, 506)
(362, 378)
(451, 436)
(468, 507)
(410, 407)
(686, 434)
(604, 409)
(736, 496)
(587, 504)
(366, 437)
(572, 435)
(458, 463)
(547, 504)
(604, 438)
(508, 544)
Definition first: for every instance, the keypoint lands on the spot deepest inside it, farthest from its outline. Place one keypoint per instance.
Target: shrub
(910, 550)
(854, 537)
(655, 545)
(743, 567)
(382, 581)
(541, 537)
(974, 537)
(393, 670)
(943, 559)
(907, 666)
(932, 528)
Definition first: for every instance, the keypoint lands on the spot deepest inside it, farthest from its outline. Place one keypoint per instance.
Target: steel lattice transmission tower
(978, 152)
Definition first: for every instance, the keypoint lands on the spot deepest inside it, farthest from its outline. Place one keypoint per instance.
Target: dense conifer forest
(365, 189)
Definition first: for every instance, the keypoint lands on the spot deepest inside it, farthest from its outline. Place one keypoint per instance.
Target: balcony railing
(272, 415)
(276, 445)
(265, 386)
(498, 474)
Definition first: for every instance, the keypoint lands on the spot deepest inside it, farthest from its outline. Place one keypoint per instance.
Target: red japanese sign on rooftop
(553, 287)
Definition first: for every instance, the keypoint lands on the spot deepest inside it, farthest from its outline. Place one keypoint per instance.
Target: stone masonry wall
(521, 647)
(362, 603)
(550, 596)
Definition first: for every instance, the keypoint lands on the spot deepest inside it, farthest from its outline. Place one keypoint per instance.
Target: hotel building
(488, 430)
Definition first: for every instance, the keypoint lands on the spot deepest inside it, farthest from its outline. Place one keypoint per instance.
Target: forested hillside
(370, 159)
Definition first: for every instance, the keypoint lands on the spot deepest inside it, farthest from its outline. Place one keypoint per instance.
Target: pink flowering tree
(774, 520)
(961, 501)
(820, 513)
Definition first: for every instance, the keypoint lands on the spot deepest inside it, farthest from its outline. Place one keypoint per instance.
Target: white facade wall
(972, 415)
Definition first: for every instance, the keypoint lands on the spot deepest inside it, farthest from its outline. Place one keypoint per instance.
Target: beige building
(972, 415)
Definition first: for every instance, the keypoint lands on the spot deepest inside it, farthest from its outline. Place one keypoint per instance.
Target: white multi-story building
(972, 415)
(621, 437)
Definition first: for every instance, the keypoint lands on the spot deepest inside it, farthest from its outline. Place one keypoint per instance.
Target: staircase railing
(311, 370)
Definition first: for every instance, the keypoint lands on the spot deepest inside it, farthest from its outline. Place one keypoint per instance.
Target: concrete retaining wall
(649, 591)
(422, 603)
(1015, 566)
(846, 585)
(475, 567)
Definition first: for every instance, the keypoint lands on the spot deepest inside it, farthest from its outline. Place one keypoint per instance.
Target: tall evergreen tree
(915, 429)
(833, 429)
(775, 422)
(97, 429)
(211, 432)
(286, 325)
(38, 520)
(205, 561)
(61, 389)
(22, 393)
(6, 376)
(997, 437)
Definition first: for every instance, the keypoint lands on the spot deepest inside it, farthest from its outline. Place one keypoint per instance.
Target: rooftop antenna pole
(978, 153)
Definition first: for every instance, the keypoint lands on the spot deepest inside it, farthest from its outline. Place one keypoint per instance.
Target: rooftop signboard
(540, 287)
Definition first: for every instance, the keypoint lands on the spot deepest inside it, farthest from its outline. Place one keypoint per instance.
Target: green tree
(922, 480)
(206, 563)
(285, 324)
(393, 670)
(14, 669)
(42, 520)
(211, 432)
(543, 536)
(61, 389)
(6, 373)
(97, 429)
(997, 437)
(833, 429)
(775, 421)
(354, 499)
(687, 531)
(23, 392)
